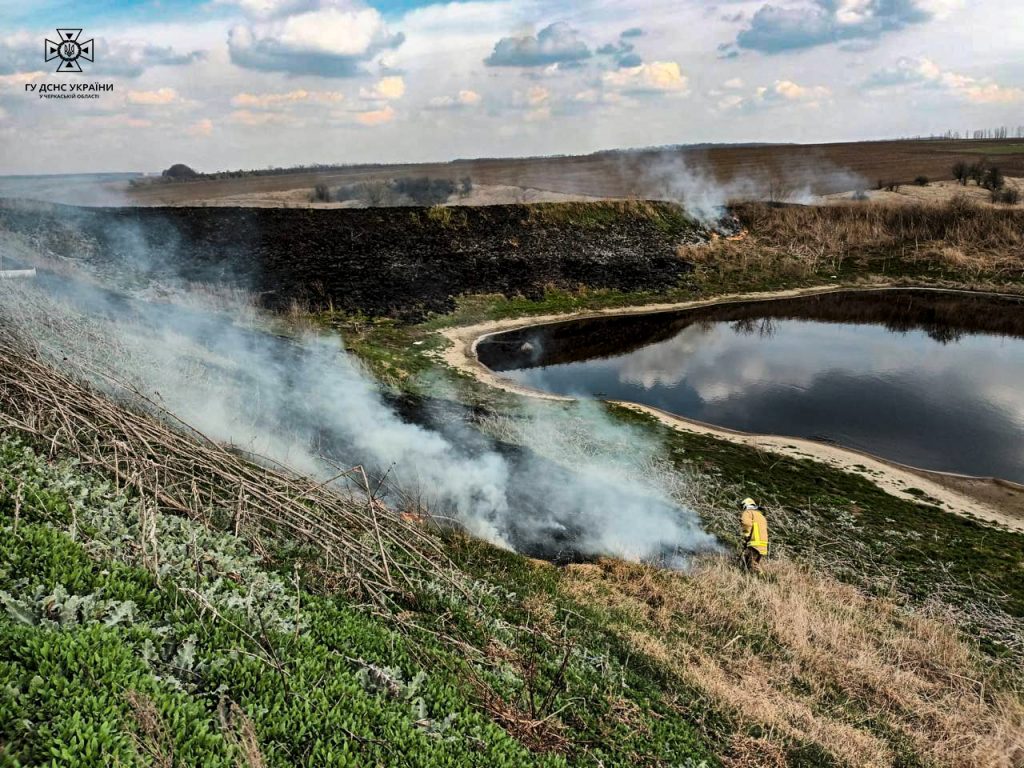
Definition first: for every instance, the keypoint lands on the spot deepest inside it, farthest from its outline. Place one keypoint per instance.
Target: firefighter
(755, 536)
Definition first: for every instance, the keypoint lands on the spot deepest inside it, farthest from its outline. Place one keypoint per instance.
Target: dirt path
(993, 501)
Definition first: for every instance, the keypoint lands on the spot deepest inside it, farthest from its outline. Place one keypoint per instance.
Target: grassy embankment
(832, 524)
(138, 639)
(158, 640)
(856, 531)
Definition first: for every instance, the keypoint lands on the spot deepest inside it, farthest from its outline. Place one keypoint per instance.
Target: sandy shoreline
(992, 501)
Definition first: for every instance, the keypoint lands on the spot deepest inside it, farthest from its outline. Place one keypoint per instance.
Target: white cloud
(925, 73)
(775, 28)
(537, 95)
(779, 93)
(200, 128)
(251, 119)
(159, 97)
(791, 91)
(20, 52)
(386, 89)
(18, 79)
(376, 116)
(462, 100)
(992, 93)
(555, 44)
(329, 41)
(267, 9)
(276, 100)
(654, 77)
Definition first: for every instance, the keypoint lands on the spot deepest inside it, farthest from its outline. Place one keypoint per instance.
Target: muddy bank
(403, 262)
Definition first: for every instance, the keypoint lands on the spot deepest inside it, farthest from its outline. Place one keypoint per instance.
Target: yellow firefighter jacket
(755, 530)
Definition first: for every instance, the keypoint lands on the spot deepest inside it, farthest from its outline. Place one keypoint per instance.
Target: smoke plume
(304, 402)
(706, 196)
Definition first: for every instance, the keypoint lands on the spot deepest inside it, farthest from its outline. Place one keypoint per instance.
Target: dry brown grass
(811, 660)
(806, 240)
(178, 470)
(610, 174)
(240, 732)
(152, 738)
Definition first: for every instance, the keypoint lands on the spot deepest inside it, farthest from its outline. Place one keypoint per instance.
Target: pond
(931, 379)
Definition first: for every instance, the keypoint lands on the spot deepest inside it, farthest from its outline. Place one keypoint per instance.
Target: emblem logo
(69, 50)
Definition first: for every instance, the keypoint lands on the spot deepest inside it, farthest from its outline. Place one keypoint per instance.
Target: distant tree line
(977, 134)
(182, 172)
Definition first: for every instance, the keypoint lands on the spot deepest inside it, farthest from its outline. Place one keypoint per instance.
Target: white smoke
(306, 403)
(691, 181)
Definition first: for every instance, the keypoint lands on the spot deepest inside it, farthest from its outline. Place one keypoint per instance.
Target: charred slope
(389, 261)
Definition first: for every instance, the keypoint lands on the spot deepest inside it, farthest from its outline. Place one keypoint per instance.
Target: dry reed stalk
(143, 447)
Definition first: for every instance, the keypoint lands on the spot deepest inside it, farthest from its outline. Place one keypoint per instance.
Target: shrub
(321, 193)
(348, 192)
(424, 190)
(993, 179)
(1006, 196)
(976, 171)
(465, 186)
(179, 171)
(961, 172)
(921, 181)
(376, 192)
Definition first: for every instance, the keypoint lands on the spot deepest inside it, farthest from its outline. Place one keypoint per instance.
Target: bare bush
(1006, 196)
(321, 194)
(377, 192)
(424, 190)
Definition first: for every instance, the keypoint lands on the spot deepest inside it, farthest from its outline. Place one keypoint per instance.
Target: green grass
(877, 541)
(880, 542)
(999, 149)
(201, 651)
(483, 308)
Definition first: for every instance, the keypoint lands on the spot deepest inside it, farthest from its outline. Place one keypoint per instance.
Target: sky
(226, 84)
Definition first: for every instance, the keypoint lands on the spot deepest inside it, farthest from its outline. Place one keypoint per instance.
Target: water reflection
(929, 379)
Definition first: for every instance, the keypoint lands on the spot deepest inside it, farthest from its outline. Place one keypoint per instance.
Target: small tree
(993, 179)
(179, 171)
(961, 172)
(976, 172)
(465, 186)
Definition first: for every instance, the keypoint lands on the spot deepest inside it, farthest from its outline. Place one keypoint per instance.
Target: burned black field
(401, 262)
